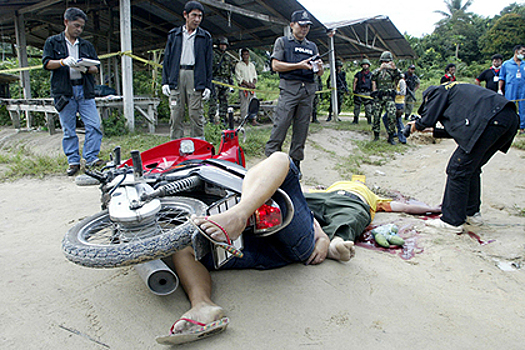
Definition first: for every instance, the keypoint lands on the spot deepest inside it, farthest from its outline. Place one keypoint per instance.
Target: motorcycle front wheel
(99, 242)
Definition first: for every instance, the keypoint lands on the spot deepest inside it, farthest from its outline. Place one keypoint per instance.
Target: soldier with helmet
(222, 72)
(384, 83)
(363, 86)
(342, 87)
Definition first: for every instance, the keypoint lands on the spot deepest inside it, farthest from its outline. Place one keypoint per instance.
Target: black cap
(412, 67)
(302, 17)
(497, 57)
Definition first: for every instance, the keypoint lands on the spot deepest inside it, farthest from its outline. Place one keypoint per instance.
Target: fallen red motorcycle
(148, 199)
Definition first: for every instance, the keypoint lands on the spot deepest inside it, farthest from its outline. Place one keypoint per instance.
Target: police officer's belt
(186, 67)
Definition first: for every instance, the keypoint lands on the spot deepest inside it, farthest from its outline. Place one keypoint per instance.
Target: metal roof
(369, 37)
(250, 23)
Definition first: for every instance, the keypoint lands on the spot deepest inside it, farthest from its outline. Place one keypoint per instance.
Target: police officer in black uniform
(296, 60)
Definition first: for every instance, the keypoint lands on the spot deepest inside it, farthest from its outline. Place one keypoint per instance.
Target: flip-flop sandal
(204, 331)
(228, 246)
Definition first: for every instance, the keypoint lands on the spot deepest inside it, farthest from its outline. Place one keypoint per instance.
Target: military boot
(356, 120)
(376, 136)
(391, 139)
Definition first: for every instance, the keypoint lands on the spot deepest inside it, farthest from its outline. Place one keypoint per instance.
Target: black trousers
(462, 191)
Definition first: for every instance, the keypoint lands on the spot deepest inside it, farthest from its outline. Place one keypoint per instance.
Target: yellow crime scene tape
(158, 65)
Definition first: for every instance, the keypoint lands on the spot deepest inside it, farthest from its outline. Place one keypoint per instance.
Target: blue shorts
(294, 243)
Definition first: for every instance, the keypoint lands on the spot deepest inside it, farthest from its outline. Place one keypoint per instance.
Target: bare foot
(230, 221)
(341, 250)
(203, 312)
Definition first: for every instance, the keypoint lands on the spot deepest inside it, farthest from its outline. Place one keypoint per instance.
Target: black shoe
(315, 121)
(376, 136)
(73, 169)
(391, 140)
(329, 118)
(95, 163)
(355, 122)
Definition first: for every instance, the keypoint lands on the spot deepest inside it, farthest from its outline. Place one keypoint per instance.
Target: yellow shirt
(359, 189)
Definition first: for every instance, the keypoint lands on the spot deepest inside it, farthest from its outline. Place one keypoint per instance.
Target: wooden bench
(146, 106)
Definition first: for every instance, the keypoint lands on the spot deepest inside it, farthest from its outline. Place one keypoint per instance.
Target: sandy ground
(454, 294)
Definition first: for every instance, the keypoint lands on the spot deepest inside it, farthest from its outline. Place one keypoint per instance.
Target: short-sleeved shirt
(292, 86)
(490, 77)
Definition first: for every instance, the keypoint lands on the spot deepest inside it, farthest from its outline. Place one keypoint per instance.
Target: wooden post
(127, 64)
(22, 60)
(333, 77)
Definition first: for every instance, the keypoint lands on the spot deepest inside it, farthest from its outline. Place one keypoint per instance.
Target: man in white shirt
(246, 76)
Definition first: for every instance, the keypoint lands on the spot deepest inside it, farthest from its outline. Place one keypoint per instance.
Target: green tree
(507, 32)
(458, 32)
(456, 11)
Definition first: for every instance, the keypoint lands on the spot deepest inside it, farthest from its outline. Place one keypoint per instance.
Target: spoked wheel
(98, 241)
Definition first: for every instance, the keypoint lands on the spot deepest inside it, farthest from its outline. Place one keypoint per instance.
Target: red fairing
(167, 156)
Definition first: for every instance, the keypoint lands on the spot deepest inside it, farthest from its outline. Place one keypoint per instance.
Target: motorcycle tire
(101, 243)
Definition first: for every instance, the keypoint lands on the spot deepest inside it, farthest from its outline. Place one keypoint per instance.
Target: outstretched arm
(416, 209)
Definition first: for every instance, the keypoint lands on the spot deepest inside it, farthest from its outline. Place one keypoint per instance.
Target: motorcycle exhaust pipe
(159, 278)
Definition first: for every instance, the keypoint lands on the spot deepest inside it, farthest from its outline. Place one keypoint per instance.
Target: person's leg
(329, 118)
(399, 125)
(301, 124)
(464, 169)
(243, 101)
(223, 93)
(284, 113)
(195, 109)
(260, 183)
(68, 122)
(376, 112)
(390, 108)
(521, 109)
(357, 109)
(212, 104)
(409, 105)
(177, 109)
(196, 281)
(89, 114)
(368, 110)
(340, 98)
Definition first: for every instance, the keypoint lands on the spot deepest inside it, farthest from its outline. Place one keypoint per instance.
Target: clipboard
(86, 62)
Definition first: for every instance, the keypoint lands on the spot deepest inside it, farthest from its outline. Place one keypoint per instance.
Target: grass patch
(520, 211)
(365, 151)
(519, 142)
(24, 163)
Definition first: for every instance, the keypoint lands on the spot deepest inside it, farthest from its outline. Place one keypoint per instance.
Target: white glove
(81, 69)
(69, 61)
(166, 90)
(232, 90)
(500, 92)
(206, 94)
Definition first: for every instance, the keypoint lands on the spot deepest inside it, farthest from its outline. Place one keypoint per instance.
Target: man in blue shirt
(512, 82)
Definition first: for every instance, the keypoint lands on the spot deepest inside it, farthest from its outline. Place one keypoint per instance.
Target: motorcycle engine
(126, 208)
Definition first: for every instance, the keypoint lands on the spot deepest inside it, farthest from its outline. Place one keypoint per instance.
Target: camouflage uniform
(386, 81)
(222, 72)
